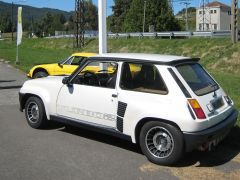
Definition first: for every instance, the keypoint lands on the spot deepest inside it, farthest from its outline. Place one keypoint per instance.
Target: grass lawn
(218, 55)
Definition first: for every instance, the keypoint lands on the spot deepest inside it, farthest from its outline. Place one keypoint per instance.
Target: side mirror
(60, 65)
(65, 80)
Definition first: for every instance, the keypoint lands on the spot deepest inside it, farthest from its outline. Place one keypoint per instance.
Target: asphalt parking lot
(61, 152)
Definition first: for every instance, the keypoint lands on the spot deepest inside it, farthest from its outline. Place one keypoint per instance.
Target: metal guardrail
(156, 34)
(173, 34)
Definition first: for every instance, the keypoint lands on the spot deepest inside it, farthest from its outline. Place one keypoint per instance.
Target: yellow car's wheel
(40, 74)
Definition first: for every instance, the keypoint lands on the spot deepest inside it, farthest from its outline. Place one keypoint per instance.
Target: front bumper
(29, 75)
(21, 95)
(195, 139)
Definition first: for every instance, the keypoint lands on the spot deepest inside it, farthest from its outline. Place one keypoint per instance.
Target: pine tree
(120, 9)
(158, 14)
(134, 17)
(91, 16)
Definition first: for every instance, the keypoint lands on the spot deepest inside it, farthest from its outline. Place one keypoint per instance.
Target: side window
(100, 74)
(76, 60)
(142, 78)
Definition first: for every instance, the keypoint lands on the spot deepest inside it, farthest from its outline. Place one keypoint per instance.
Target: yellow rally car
(64, 67)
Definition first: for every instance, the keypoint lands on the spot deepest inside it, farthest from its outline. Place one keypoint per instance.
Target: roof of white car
(144, 57)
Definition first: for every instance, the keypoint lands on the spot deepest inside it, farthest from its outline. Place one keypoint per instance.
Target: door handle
(114, 95)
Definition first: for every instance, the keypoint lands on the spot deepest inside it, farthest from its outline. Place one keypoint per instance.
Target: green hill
(29, 11)
(31, 16)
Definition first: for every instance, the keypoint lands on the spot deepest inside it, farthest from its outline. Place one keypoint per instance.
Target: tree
(157, 14)
(191, 18)
(189, 9)
(134, 17)
(58, 23)
(70, 24)
(5, 23)
(165, 20)
(120, 9)
(91, 16)
(47, 23)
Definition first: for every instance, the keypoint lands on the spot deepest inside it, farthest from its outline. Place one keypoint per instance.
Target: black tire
(35, 113)
(161, 143)
(40, 74)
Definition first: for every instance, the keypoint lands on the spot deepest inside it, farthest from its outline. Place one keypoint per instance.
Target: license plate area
(217, 103)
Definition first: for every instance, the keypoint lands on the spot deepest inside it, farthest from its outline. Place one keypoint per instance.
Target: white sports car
(167, 104)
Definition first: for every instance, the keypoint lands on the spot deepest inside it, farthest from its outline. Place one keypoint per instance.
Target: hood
(45, 65)
(46, 82)
(37, 64)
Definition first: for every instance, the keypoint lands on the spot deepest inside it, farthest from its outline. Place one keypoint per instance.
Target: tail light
(197, 109)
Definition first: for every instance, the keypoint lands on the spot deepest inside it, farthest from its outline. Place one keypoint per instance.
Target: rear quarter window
(197, 78)
(142, 78)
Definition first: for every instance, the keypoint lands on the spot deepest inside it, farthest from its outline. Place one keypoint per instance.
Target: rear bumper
(195, 139)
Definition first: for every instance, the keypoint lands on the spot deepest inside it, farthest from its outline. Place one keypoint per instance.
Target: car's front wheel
(161, 143)
(40, 74)
(35, 112)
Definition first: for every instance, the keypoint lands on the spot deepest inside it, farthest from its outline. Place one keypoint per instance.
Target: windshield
(64, 60)
(197, 78)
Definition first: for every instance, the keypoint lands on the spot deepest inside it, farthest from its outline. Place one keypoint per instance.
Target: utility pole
(234, 21)
(186, 14)
(203, 12)
(144, 15)
(12, 20)
(102, 26)
(79, 23)
(205, 16)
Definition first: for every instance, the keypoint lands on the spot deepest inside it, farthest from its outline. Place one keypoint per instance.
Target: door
(90, 98)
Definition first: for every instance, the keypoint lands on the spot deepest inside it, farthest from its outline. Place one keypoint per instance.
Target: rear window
(197, 78)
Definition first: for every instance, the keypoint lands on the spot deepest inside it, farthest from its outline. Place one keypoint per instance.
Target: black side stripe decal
(121, 109)
(120, 115)
(180, 84)
(120, 124)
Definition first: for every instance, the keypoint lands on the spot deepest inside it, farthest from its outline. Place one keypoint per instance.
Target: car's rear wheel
(35, 112)
(40, 74)
(161, 143)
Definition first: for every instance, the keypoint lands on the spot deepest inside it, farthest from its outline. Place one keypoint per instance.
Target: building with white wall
(214, 16)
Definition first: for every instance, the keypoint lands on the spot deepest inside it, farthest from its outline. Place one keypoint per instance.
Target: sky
(68, 5)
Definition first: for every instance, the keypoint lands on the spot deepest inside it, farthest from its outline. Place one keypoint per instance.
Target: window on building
(211, 11)
(207, 26)
(215, 26)
(142, 78)
(230, 27)
(200, 12)
(229, 13)
(215, 11)
(200, 27)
